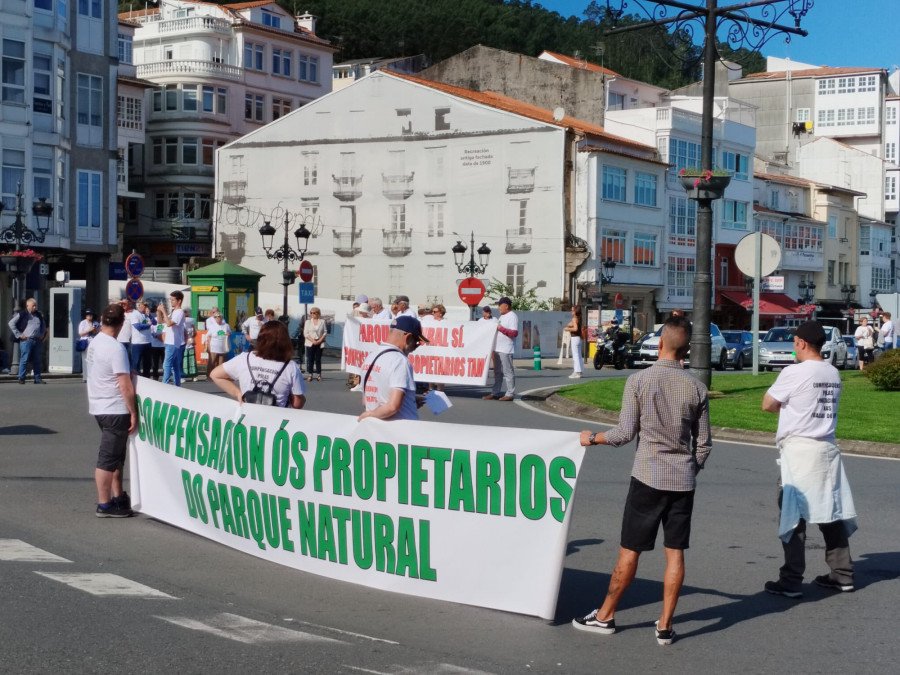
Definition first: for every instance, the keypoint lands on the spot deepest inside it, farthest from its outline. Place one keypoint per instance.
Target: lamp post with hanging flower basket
(704, 183)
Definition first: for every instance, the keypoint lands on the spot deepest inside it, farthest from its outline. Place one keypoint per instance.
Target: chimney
(306, 21)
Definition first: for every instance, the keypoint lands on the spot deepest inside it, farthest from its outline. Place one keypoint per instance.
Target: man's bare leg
(673, 577)
(622, 576)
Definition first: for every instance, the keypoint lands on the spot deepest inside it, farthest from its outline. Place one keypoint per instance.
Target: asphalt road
(204, 608)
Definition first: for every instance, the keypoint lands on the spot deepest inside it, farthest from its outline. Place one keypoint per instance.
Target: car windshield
(779, 335)
(849, 340)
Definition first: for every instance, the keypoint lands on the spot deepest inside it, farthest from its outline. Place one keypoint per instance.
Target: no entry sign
(306, 270)
(470, 290)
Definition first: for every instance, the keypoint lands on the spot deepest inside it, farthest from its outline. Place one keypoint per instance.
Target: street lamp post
(808, 295)
(285, 253)
(847, 292)
(607, 271)
(470, 267)
(742, 30)
(20, 235)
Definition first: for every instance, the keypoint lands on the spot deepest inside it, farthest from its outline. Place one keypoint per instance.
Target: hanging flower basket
(703, 184)
(19, 262)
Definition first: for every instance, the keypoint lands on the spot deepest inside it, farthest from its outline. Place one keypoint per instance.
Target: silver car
(777, 348)
(718, 351)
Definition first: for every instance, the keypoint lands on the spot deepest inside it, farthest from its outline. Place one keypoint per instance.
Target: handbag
(257, 394)
(81, 344)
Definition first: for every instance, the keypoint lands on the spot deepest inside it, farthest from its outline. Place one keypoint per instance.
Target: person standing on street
(389, 385)
(573, 328)
(865, 342)
(217, 332)
(139, 320)
(887, 332)
(251, 327)
(173, 337)
(813, 486)
(504, 372)
(314, 336)
(30, 329)
(111, 402)
(378, 309)
(668, 410)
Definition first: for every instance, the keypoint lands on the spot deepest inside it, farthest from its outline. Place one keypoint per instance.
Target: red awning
(770, 304)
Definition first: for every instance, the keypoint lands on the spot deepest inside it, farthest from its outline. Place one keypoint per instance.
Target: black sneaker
(591, 624)
(664, 637)
(825, 581)
(777, 588)
(123, 500)
(113, 510)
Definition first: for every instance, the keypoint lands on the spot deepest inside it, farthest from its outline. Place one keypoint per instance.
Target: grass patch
(864, 413)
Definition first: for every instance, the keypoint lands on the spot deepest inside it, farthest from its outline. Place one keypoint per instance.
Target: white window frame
(89, 206)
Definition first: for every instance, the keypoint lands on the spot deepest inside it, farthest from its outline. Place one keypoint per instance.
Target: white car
(718, 350)
(777, 348)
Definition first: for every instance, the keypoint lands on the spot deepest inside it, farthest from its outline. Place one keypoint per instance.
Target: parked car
(852, 354)
(740, 348)
(718, 352)
(634, 352)
(777, 348)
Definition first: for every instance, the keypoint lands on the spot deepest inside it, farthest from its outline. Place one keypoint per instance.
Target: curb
(550, 401)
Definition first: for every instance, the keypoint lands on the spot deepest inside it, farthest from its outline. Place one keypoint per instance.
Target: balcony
(233, 247)
(347, 244)
(347, 188)
(397, 243)
(518, 240)
(520, 181)
(194, 24)
(398, 186)
(235, 192)
(190, 67)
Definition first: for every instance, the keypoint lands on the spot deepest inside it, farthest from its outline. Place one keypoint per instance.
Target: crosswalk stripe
(16, 550)
(421, 669)
(241, 629)
(107, 585)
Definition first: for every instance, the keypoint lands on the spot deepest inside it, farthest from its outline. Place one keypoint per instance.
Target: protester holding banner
(668, 410)
(173, 337)
(437, 316)
(111, 402)
(504, 372)
(272, 361)
(389, 386)
(139, 318)
(378, 309)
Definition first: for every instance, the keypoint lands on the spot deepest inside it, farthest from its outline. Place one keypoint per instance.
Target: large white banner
(456, 353)
(470, 514)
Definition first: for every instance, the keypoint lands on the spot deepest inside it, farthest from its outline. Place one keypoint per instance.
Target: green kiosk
(231, 288)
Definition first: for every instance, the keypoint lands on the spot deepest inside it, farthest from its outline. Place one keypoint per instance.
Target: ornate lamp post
(873, 301)
(19, 261)
(470, 267)
(808, 295)
(285, 253)
(742, 30)
(847, 292)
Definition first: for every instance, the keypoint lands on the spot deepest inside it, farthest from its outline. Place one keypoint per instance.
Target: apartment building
(58, 139)
(219, 72)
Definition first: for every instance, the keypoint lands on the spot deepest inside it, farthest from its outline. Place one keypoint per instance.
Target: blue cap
(409, 324)
(504, 300)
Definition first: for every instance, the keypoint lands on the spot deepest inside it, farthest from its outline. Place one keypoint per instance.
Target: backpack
(261, 394)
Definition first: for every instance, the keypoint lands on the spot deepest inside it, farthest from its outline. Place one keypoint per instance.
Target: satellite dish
(769, 254)
(558, 114)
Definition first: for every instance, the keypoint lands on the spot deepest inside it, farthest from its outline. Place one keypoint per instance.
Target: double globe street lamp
(284, 253)
(470, 267)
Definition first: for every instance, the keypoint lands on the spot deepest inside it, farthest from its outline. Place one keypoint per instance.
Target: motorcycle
(610, 351)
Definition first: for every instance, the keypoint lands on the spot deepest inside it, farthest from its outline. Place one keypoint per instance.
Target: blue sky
(841, 32)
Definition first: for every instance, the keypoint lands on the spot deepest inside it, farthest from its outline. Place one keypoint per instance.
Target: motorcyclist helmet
(614, 322)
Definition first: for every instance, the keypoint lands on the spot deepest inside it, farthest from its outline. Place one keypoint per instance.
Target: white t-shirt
(156, 334)
(808, 393)
(86, 325)
(887, 331)
(290, 382)
(505, 344)
(125, 334)
(251, 327)
(384, 314)
(174, 334)
(391, 371)
(106, 358)
(210, 323)
(217, 336)
(138, 318)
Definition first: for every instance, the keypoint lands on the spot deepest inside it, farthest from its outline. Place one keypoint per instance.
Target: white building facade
(220, 72)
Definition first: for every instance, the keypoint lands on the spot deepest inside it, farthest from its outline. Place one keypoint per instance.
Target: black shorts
(646, 508)
(113, 440)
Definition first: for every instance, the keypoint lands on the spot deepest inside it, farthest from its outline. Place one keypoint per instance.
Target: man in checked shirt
(668, 410)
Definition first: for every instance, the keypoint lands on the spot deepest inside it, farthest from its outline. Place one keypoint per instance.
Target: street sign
(134, 290)
(619, 301)
(470, 290)
(772, 284)
(306, 292)
(134, 265)
(306, 271)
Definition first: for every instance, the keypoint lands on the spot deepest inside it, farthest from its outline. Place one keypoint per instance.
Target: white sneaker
(575, 376)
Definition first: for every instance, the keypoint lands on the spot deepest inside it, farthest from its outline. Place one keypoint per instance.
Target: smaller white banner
(456, 353)
(770, 284)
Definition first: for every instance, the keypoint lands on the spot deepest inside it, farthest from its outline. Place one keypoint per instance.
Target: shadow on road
(870, 568)
(25, 430)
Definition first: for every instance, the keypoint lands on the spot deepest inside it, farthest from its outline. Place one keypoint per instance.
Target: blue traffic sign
(306, 291)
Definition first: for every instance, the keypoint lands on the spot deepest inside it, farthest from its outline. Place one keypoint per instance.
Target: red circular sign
(470, 290)
(619, 300)
(306, 270)
(134, 290)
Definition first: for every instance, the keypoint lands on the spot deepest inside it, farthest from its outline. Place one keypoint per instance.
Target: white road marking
(16, 550)
(241, 629)
(424, 669)
(107, 585)
(345, 632)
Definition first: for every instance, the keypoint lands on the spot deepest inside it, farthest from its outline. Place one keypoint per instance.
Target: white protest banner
(469, 514)
(456, 353)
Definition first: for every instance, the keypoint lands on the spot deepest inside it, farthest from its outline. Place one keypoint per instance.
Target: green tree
(527, 300)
